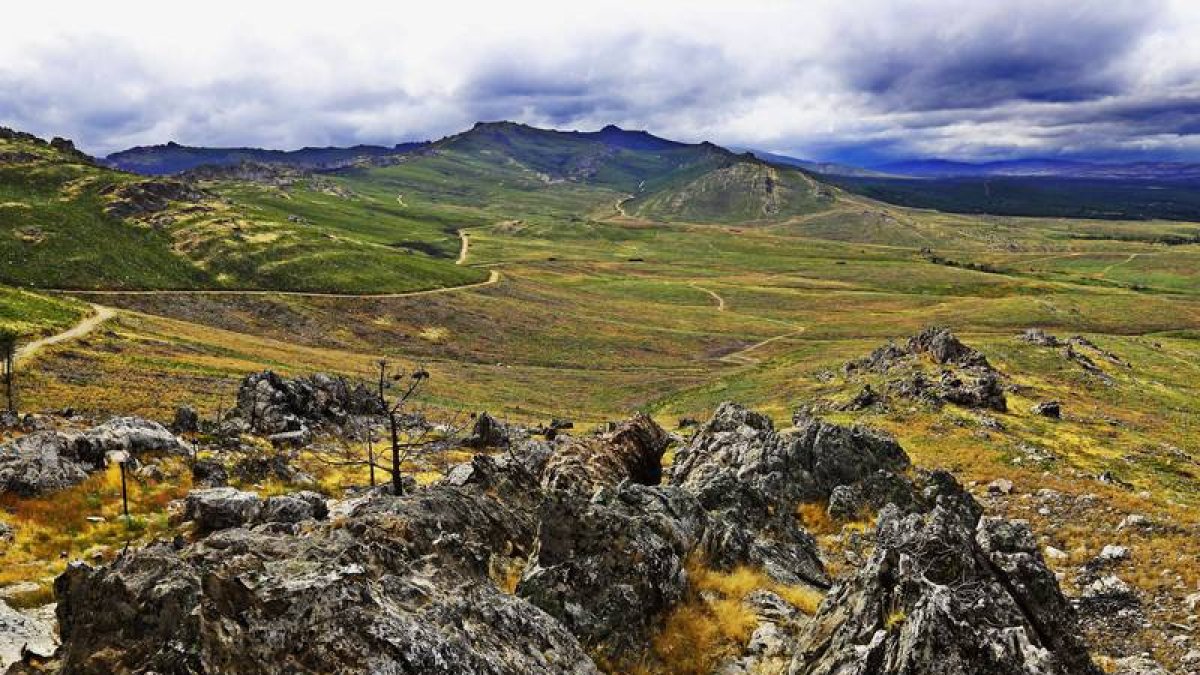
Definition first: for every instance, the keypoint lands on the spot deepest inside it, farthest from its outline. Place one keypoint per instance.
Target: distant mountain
(666, 180)
(173, 158)
(826, 168)
(1057, 168)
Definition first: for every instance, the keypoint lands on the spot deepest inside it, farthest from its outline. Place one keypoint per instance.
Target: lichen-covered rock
(750, 479)
(293, 508)
(631, 450)
(608, 567)
(186, 421)
(946, 593)
(399, 585)
(49, 460)
(943, 347)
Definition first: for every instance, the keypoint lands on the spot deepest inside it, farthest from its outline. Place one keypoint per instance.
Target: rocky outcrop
(750, 478)
(631, 450)
(399, 585)
(269, 404)
(49, 460)
(143, 198)
(962, 375)
(944, 348)
(946, 592)
(412, 583)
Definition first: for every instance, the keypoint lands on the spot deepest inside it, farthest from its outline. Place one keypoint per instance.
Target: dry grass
(52, 529)
(714, 622)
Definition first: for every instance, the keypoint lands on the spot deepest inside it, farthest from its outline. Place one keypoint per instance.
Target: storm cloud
(864, 82)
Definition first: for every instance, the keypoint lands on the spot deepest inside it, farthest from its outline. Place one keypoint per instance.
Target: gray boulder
(293, 508)
(187, 420)
(220, 508)
(269, 404)
(40, 462)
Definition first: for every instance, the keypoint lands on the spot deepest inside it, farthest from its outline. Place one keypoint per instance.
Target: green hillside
(67, 223)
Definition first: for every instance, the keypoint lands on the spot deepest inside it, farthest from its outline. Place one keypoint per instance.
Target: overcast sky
(863, 82)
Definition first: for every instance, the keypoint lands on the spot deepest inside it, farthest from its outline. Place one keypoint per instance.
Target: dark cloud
(876, 82)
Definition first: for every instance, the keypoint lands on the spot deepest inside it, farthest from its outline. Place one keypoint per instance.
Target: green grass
(30, 314)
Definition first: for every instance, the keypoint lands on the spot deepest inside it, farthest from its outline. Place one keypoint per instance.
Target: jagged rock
(1048, 409)
(941, 345)
(769, 606)
(187, 420)
(25, 632)
(947, 593)
(488, 432)
(873, 492)
(397, 585)
(49, 460)
(147, 197)
(768, 640)
(209, 473)
(966, 378)
(6, 532)
(750, 478)
(131, 435)
(607, 568)
(269, 404)
(632, 450)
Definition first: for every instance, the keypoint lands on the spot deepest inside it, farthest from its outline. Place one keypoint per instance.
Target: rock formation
(415, 583)
(48, 460)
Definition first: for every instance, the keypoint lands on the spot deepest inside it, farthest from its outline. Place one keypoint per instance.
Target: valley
(542, 275)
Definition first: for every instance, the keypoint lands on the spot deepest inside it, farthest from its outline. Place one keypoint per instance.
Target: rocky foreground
(570, 555)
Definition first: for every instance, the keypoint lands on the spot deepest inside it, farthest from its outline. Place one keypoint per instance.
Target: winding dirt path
(466, 247)
(87, 325)
(714, 294)
(742, 358)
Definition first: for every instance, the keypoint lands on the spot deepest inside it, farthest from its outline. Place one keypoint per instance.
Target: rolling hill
(66, 222)
(171, 158)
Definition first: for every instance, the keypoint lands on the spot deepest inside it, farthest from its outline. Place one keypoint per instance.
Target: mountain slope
(537, 173)
(157, 160)
(68, 223)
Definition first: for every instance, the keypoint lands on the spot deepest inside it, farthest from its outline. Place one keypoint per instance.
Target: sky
(864, 82)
